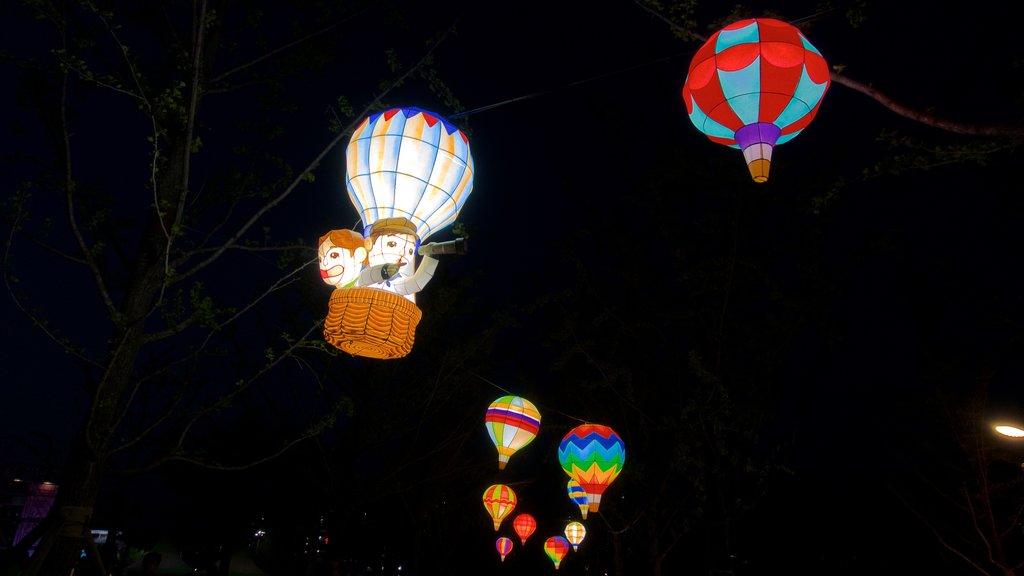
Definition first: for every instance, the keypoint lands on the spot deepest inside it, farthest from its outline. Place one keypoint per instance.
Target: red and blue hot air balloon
(753, 85)
(592, 455)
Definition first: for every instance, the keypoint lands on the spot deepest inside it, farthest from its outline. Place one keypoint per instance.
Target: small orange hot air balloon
(499, 501)
(524, 525)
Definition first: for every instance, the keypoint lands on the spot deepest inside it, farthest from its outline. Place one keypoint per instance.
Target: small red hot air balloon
(524, 525)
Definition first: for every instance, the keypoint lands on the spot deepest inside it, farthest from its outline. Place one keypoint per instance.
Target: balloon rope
(623, 70)
(547, 409)
(569, 85)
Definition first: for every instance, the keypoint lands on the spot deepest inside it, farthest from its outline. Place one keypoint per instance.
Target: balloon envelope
(411, 163)
(575, 533)
(499, 501)
(504, 546)
(524, 525)
(753, 85)
(512, 422)
(578, 495)
(556, 548)
(592, 455)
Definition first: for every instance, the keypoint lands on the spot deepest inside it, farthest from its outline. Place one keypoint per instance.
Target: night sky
(590, 177)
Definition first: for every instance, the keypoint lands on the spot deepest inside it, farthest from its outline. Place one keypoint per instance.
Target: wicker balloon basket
(371, 322)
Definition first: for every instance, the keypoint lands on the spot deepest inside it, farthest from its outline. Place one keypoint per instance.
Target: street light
(1008, 430)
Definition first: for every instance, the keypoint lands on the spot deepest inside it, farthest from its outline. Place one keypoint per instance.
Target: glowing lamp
(1011, 431)
(753, 85)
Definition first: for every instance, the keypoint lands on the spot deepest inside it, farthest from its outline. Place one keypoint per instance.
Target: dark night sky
(589, 105)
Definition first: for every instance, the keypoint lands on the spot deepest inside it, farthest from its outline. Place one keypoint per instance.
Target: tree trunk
(61, 546)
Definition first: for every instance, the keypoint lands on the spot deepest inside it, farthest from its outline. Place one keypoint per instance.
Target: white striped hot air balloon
(575, 532)
(512, 422)
(409, 163)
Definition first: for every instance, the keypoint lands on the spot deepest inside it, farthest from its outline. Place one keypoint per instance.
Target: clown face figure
(341, 255)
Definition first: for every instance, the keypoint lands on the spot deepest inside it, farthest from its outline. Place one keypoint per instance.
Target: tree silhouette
(153, 200)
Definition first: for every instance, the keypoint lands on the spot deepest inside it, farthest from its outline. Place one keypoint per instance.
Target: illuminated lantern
(409, 163)
(409, 172)
(755, 84)
(592, 455)
(524, 525)
(556, 548)
(499, 501)
(504, 546)
(575, 533)
(579, 496)
(512, 422)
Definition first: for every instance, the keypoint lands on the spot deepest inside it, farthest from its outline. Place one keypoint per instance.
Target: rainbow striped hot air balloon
(499, 501)
(556, 548)
(409, 163)
(755, 84)
(575, 533)
(524, 525)
(512, 422)
(504, 546)
(592, 455)
(578, 495)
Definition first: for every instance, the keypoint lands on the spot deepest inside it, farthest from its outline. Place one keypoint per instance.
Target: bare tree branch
(284, 48)
(270, 205)
(964, 128)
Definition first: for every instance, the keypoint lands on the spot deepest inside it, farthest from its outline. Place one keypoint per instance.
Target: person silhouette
(151, 562)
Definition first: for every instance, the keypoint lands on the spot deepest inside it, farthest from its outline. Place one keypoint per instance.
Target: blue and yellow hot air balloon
(753, 85)
(578, 496)
(512, 422)
(592, 455)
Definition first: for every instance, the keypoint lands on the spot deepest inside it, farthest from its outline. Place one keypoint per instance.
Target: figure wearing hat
(393, 241)
(372, 310)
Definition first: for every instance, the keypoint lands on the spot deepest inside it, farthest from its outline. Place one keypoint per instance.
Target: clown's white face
(393, 249)
(338, 265)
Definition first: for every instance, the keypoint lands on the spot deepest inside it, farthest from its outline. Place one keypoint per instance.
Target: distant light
(1011, 431)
